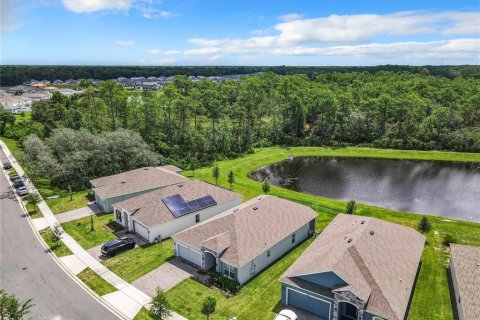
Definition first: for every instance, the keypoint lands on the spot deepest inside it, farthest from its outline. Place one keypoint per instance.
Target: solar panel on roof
(178, 207)
(202, 203)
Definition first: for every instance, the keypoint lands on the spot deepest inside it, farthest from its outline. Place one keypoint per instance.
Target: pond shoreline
(441, 188)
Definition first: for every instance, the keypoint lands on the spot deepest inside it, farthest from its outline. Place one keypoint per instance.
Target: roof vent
(180, 185)
(363, 222)
(235, 210)
(122, 182)
(349, 240)
(372, 232)
(145, 168)
(255, 208)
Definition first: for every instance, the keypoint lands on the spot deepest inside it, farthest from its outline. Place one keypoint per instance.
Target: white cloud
(82, 6)
(151, 12)
(166, 52)
(125, 43)
(215, 58)
(290, 17)
(157, 62)
(145, 8)
(8, 22)
(465, 49)
(350, 29)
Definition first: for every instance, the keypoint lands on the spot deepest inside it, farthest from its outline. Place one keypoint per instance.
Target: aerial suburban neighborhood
(240, 160)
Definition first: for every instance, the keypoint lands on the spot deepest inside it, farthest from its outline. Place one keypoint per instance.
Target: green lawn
(132, 264)
(60, 250)
(80, 230)
(32, 212)
(95, 282)
(143, 314)
(431, 297)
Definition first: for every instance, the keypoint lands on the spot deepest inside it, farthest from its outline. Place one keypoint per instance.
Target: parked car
(113, 247)
(22, 191)
(15, 177)
(7, 165)
(286, 314)
(18, 183)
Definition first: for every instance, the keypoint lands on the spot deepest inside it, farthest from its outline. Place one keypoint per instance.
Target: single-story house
(163, 212)
(357, 268)
(126, 185)
(465, 272)
(242, 241)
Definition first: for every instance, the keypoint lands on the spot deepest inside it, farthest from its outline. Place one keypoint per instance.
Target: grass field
(133, 264)
(431, 297)
(95, 282)
(60, 250)
(80, 230)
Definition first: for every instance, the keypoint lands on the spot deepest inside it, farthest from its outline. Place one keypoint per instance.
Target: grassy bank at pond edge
(259, 298)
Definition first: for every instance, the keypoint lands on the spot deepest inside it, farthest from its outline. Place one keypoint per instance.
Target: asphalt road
(27, 271)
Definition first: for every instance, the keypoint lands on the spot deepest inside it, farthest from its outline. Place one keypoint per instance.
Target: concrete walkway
(166, 276)
(128, 300)
(78, 213)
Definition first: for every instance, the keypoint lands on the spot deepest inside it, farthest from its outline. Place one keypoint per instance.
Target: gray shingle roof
(151, 211)
(466, 261)
(380, 266)
(134, 181)
(248, 230)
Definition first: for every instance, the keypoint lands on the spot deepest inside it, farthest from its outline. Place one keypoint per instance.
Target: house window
(119, 215)
(229, 271)
(293, 238)
(197, 218)
(268, 253)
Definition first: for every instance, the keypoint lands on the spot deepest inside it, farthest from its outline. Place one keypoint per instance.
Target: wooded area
(197, 122)
(14, 75)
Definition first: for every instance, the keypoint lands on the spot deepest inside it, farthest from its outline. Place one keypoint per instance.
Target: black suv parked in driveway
(113, 247)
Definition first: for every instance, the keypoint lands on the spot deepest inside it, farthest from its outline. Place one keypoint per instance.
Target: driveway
(78, 213)
(166, 276)
(28, 271)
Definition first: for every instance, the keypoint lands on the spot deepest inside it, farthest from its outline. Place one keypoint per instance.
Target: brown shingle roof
(379, 268)
(248, 230)
(172, 168)
(134, 181)
(151, 211)
(466, 261)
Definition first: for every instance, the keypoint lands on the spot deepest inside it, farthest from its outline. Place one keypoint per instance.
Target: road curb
(59, 262)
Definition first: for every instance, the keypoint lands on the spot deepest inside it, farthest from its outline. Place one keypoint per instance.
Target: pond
(449, 189)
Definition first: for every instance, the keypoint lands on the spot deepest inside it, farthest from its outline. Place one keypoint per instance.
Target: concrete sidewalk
(128, 300)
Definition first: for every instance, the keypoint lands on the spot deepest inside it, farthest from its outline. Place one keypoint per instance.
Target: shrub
(225, 283)
(351, 207)
(449, 239)
(424, 226)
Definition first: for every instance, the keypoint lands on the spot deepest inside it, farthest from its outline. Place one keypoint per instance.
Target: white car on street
(286, 314)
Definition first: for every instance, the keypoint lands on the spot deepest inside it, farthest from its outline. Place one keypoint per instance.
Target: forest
(108, 129)
(11, 75)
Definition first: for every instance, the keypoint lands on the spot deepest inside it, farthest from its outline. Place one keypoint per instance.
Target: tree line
(13, 75)
(197, 122)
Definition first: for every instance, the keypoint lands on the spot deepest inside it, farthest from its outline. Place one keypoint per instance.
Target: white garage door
(191, 255)
(140, 230)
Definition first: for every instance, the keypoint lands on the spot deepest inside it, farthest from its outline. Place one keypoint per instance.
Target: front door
(125, 221)
(349, 311)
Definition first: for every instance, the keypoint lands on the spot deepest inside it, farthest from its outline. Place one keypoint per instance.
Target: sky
(239, 32)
